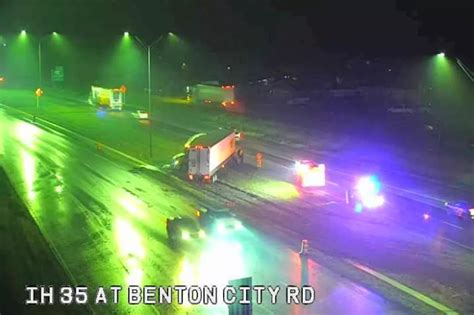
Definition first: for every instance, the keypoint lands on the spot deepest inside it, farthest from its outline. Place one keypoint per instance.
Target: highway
(85, 201)
(104, 218)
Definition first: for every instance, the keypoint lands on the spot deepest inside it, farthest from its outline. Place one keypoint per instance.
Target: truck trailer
(206, 154)
(110, 98)
(212, 92)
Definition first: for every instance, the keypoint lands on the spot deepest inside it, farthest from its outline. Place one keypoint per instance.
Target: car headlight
(202, 234)
(221, 227)
(185, 235)
(238, 225)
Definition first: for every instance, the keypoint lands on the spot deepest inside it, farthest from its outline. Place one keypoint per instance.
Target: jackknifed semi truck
(212, 92)
(206, 153)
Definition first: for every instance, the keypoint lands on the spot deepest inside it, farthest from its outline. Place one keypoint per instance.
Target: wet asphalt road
(104, 217)
(433, 256)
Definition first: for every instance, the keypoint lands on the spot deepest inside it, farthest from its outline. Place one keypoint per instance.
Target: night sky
(280, 31)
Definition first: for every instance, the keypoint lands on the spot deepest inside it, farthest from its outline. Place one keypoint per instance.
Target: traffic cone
(304, 247)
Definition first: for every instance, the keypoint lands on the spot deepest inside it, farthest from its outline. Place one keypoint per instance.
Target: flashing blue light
(358, 207)
(369, 185)
(368, 189)
(101, 113)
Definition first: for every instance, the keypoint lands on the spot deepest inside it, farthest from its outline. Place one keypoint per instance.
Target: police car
(183, 229)
(461, 209)
(366, 194)
(218, 220)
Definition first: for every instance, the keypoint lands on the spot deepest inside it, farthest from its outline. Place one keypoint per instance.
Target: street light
(440, 54)
(148, 49)
(40, 65)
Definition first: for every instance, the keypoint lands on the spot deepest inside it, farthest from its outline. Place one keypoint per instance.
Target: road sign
(237, 308)
(39, 92)
(57, 74)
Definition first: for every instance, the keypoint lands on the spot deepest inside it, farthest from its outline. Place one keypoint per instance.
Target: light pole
(148, 49)
(40, 64)
(40, 61)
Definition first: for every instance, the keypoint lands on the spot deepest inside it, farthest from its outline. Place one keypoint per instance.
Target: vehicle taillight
(190, 176)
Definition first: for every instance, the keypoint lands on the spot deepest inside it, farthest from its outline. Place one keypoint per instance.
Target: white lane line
(453, 225)
(458, 244)
(404, 288)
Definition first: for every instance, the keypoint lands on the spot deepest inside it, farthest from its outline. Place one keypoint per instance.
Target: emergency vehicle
(109, 98)
(366, 194)
(310, 174)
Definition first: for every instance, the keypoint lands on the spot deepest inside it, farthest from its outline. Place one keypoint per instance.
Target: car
(461, 209)
(181, 229)
(218, 220)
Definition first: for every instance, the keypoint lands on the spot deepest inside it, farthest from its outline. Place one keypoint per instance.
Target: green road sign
(244, 308)
(57, 74)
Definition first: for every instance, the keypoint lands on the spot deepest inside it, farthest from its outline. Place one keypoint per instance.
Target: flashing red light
(227, 87)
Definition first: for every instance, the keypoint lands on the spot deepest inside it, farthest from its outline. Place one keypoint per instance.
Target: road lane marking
(453, 225)
(418, 295)
(458, 244)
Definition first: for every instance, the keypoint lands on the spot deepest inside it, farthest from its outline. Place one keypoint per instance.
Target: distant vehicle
(140, 115)
(2, 80)
(366, 194)
(218, 220)
(183, 229)
(206, 153)
(310, 174)
(212, 92)
(109, 98)
(402, 109)
(298, 101)
(461, 209)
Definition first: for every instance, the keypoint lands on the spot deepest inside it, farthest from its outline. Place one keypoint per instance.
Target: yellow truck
(110, 98)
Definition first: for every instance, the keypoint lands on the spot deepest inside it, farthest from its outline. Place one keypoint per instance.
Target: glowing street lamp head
(440, 54)
(54, 33)
(126, 34)
(23, 33)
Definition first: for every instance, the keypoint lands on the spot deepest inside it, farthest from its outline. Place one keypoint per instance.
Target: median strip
(400, 286)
